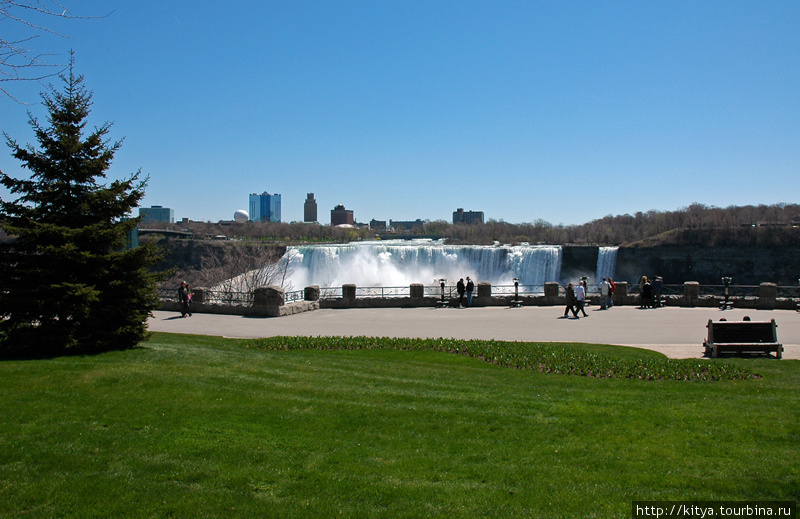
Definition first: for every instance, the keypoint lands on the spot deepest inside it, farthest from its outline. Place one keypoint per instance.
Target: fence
(707, 290)
(382, 292)
(765, 295)
(295, 296)
(206, 295)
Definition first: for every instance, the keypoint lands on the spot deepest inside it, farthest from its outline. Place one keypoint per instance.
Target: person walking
(580, 297)
(460, 288)
(570, 296)
(470, 287)
(185, 299)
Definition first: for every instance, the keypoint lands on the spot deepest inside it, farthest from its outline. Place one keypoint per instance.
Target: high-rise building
(265, 207)
(310, 209)
(341, 216)
(468, 217)
(157, 214)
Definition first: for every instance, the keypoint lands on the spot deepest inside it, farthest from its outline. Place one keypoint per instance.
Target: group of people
(465, 288)
(185, 299)
(576, 297)
(650, 293)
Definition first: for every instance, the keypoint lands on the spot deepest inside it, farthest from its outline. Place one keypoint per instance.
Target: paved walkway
(676, 332)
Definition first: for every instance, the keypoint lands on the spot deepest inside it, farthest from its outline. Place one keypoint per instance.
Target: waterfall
(401, 263)
(606, 263)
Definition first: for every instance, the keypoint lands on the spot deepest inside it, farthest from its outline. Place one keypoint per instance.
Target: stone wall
(244, 310)
(270, 301)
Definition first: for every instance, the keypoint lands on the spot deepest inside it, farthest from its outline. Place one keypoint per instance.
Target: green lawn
(205, 427)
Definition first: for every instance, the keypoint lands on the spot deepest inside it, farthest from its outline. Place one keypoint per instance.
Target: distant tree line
(268, 232)
(697, 224)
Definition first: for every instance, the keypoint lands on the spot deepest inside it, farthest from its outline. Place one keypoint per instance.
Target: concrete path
(676, 332)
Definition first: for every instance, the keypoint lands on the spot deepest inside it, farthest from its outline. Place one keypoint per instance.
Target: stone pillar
(417, 290)
(484, 289)
(551, 293)
(767, 295)
(311, 293)
(691, 293)
(348, 291)
(269, 296)
(198, 295)
(621, 293)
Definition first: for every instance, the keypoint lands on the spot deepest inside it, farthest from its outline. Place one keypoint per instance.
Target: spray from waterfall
(401, 263)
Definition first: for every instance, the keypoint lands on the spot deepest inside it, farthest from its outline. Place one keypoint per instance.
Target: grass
(201, 427)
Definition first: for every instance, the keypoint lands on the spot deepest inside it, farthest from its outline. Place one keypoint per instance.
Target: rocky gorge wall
(707, 265)
(188, 254)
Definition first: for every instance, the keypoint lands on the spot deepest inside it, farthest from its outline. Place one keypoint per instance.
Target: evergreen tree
(69, 281)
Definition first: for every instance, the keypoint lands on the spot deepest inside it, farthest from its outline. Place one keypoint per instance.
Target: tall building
(341, 216)
(157, 214)
(468, 217)
(310, 209)
(265, 207)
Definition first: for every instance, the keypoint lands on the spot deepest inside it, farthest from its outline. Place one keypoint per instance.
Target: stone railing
(554, 296)
(271, 301)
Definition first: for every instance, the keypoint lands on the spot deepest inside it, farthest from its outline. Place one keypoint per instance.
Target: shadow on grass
(7, 356)
(30, 346)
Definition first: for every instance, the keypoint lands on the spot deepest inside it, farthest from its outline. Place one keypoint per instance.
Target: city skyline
(525, 111)
(255, 200)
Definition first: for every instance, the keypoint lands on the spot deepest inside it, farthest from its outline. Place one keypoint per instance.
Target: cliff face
(747, 265)
(577, 261)
(707, 265)
(189, 254)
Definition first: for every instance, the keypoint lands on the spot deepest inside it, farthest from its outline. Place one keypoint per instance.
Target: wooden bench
(742, 337)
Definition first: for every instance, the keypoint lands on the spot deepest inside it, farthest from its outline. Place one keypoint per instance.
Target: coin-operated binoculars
(516, 302)
(727, 304)
(442, 303)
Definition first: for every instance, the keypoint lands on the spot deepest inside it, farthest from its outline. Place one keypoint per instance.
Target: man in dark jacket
(460, 289)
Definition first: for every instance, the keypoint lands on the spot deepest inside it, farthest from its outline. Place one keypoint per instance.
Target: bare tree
(18, 62)
(240, 268)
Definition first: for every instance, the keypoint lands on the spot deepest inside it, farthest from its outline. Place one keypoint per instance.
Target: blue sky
(562, 111)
